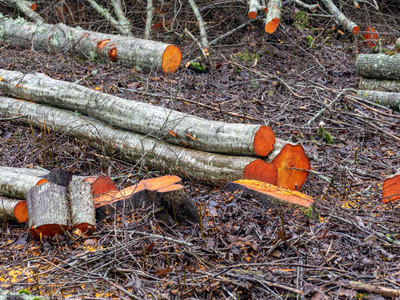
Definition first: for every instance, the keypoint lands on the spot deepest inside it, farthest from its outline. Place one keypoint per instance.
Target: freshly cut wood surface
(291, 165)
(101, 184)
(261, 170)
(128, 51)
(13, 210)
(269, 195)
(169, 125)
(391, 188)
(81, 203)
(48, 210)
(212, 168)
(273, 15)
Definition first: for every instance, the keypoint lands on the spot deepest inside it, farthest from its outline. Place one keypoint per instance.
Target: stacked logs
(56, 202)
(380, 79)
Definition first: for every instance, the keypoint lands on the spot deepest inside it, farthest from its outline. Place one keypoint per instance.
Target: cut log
(16, 185)
(378, 66)
(391, 100)
(169, 125)
(391, 188)
(340, 17)
(212, 168)
(47, 210)
(273, 15)
(292, 167)
(162, 192)
(391, 86)
(13, 210)
(129, 51)
(269, 195)
(254, 7)
(101, 184)
(82, 208)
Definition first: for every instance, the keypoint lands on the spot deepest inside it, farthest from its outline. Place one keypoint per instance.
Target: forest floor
(239, 250)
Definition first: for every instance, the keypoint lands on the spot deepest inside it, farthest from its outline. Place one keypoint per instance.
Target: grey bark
(382, 85)
(391, 100)
(14, 184)
(378, 66)
(7, 207)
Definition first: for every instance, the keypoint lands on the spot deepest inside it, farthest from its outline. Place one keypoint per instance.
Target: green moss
(328, 138)
(247, 57)
(301, 19)
(23, 291)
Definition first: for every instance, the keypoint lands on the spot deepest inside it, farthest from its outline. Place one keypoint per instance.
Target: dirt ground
(240, 249)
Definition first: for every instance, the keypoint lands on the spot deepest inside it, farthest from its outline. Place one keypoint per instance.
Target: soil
(239, 249)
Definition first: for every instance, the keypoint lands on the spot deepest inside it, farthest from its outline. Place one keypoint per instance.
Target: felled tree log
(26, 8)
(211, 168)
(254, 7)
(391, 86)
(81, 204)
(340, 17)
(273, 15)
(391, 100)
(129, 51)
(172, 126)
(270, 195)
(378, 66)
(391, 188)
(16, 185)
(47, 210)
(13, 210)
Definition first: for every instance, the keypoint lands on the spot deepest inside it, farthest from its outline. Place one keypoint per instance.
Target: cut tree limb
(270, 195)
(81, 203)
(211, 168)
(391, 188)
(26, 8)
(169, 125)
(129, 51)
(254, 7)
(391, 100)
(48, 210)
(13, 210)
(340, 17)
(378, 66)
(16, 185)
(273, 15)
(383, 85)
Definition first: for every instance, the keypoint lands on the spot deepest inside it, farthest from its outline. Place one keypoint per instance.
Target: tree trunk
(214, 169)
(82, 207)
(391, 86)
(378, 66)
(16, 185)
(129, 51)
(391, 188)
(13, 210)
(48, 210)
(169, 125)
(391, 100)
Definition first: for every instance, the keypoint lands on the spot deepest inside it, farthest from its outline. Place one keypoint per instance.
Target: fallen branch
(391, 100)
(129, 51)
(169, 125)
(26, 8)
(254, 7)
(13, 210)
(340, 17)
(211, 168)
(357, 285)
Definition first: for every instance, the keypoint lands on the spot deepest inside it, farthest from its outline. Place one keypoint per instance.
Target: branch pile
(380, 79)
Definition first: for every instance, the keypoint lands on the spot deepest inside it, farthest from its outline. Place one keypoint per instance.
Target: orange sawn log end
(260, 170)
(356, 29)
(291, 157)
(391, 189)
(47, 230)
(270, 194)
(264, 141)
(271, 26)
(101, 184)
(252, 14)
(21, 212)
(171, 59)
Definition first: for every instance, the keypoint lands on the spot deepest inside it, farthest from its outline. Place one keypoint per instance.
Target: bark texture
(169, 125)
(82, 207)
(378, 66)
(211, 168)
(129, 51)
(383, 85)
(13, 210)
(340, 17)
(391, 100)
(47, 209)
(273, 15)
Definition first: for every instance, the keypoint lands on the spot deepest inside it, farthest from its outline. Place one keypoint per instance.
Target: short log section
(13, 210)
